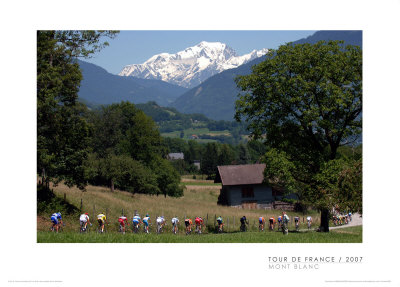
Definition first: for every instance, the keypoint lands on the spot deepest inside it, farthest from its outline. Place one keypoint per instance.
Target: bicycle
(121, 229)
(271, 225)
(146, 228)
(135, 228)
(220, 228)
(84, 229)
(174, 228)
(308, 225)
(99, 229)
(159, 228)
(297, 224)
(243, 227)
(198, 229)
(60, 228)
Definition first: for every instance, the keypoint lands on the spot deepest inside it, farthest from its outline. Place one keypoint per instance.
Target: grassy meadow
(345, 235)
(200, 199)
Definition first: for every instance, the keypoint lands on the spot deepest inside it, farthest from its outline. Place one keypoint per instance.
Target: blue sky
(135, 47)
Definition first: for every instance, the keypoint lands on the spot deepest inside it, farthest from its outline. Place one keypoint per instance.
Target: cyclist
(122, 220)
(188, 224)
(243, 222)
(146, 222)
(220, 224)
(279, 222)
(160, 223)
(84, 220)
(349, 215)
(309, 221)
(136, 222)
(101, 219)
(261, 223)
(271, 223)
(296, 222)
(175, 222)
(199, 222)
(335, 220)
(57, 220)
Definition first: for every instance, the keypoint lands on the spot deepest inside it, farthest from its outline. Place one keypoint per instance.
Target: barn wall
(262, 194)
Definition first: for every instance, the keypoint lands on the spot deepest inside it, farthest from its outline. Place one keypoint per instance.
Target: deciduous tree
(61, 132)
(305, 101)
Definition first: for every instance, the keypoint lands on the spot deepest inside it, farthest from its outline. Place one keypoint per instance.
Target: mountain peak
(192, 66)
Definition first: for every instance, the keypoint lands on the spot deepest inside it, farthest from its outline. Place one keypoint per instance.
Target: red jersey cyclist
(199, 222)
(122, 221)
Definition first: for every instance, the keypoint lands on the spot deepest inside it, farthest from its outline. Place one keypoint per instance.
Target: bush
(48, 203)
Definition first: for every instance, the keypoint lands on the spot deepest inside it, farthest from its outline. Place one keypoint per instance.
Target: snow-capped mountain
(192, 66)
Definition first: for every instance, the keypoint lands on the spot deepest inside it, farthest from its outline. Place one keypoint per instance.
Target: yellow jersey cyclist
(101, 219)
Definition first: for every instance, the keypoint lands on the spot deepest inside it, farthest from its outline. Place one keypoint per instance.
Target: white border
(197, 264)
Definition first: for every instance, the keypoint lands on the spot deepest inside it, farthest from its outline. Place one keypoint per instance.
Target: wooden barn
(243, 186)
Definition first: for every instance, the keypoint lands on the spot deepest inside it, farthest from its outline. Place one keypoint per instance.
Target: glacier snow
(192, 66)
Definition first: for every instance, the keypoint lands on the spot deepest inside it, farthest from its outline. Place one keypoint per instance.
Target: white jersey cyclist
(175, 221)
(84, 218)
(309, 218)
(160, 220)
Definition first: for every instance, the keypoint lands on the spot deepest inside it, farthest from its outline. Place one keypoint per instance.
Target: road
(356, 221)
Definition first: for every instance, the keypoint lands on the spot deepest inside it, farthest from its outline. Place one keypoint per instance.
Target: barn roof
(241, 174)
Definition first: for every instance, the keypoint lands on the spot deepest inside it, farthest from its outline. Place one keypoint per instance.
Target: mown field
(345, 235)
(200, 199)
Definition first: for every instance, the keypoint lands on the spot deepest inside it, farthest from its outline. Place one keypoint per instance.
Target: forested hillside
(100, 87)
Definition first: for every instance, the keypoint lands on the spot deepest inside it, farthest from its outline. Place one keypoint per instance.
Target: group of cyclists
(281, 223)
(341, 218)
(136, 222)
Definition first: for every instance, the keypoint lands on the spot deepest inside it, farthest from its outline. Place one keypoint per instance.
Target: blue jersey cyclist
(57, 220)
(146, 222)
(136, 221)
